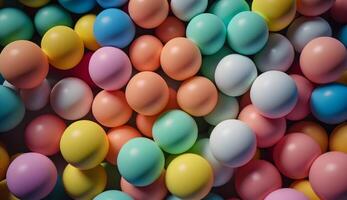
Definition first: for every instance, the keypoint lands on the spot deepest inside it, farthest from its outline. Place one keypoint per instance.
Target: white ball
(185, 10)
(234, 74)
(36, 98)
(274, 94)
(233, 143)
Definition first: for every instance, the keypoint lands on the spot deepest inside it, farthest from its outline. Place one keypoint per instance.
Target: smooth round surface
(337, 138)
(305, 187)
(34, 3)
(84, 27)
(313, 7)
(36, 98)
(111, 3)
(286, 194)
(226, 9)
(113, 194)
(84, 144)
(71, 98)
(170, 28)
(186, 10)
(78, 6)
(338, 11)
(4, 163)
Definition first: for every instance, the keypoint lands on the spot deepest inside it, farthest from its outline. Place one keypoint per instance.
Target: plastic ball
(197, 96)
(63, 47)
(4, 162)
(208, 32)
(338, 11)
(14, 25)
(84, 184)
(113, 176)
(31, 176)
(294, 155)
(233, 143)
(189, 176)
(286, 194)
(305, 187)
(226, 9)
(36, 98)
(113, 27)
(34, 3)
(247, 33)
(113, 194)
(108, 61)
(147, 93)
(50, 16)
(12, 109)
(84, 27)
(342, 36)
(42, 135)
(143, 167)
(337, 138)
(71, 98)
(170, 29)
(78, 6)
(313, 8)
(304, 29)
(111, 3)
(186, 10)
(180, 58)
(4, 191)
(145, 52)
(2, 80)
(212, 196)
(84, 144)
(23, 64)
(259, 175)
(328, 103)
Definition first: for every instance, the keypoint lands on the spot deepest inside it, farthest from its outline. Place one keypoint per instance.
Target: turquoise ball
(113, 195)
(208, 32)
(247, 33)
(2, 80)
(227, 9)
(14, 25)
(342, 36)
(175, 131)
(140, 161)
(50, 16)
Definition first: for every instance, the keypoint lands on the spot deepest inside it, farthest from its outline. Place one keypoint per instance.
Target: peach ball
(170, 29)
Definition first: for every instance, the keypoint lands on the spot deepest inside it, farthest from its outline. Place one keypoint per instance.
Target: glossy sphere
(294, 155)
(337, 138)
(304, 29)
(71, 98)
(145, 52)
(113, 194)
(186, 10)
(197, 96)
(23, 64)
(226, 9)
(84, 27)
(78, 6)
(259, 175)
(170, 28)
(247, 33)
(233, 143)
(180, 58)
(84, 144)
(34, 3)
(189, 176)
(113, 27)
(140, 161)
(36, 98)
(31, 176)
(338, 11)
(84, 184)
(268, 131)
(208, 32)
(111, 108)
(14, 25)
(333, 95)
(305, 187)
(12, 110)
(286, 194)
(147, 93)
(5, 161)
(42, 135)
(111, 3)
(313, 7)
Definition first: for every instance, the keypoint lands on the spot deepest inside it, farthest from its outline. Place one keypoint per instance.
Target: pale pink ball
(286, 194)
(36, 98)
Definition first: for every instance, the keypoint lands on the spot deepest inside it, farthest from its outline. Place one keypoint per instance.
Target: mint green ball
(227, 9)
(175, 131)
(208, 32)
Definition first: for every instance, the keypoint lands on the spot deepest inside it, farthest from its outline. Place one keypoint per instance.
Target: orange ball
(147, 93)
(197, 96)
(145, 52)
(111, 109)
(23, 64)
(180, 58)
(149, 13)
(117, 137)
(170, 28)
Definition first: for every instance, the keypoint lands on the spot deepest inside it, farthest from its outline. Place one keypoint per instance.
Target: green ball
(50, 16)
(175, 131)
(227, 9)
(14, 25)
(208, 32)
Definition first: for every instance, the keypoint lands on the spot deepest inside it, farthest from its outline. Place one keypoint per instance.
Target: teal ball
(227, 9)
(113, 195)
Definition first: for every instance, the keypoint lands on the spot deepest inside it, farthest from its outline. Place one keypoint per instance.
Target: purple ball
(286, 194)
(31, 176)
(110, 68)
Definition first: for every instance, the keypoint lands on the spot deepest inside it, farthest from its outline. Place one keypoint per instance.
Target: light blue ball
(172, 197)
(78, 6)
(113, 27)
(208, 32)
(213, 196)
(113, 195)
(185, 10)
(328, 103)
(227, 9)
(343, 35)
(12, 109)
(247, 33)
(140, 161)
(111, 3)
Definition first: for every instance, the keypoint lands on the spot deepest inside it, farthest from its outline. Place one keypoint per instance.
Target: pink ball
(268, 131)
(313, 7)
(294, 155)
(256, 180)
(339, 11)
(328, 176)
(323, 60)
(302, 107)
(36, 98)
(110, 68)
(286, 194)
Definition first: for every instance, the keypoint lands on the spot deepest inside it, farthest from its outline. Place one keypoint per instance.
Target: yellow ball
(34, 3)
(278, 14)
(5, 193)
(4, 161)
(63, 47)
(304, 186)
(84, 28)
(189, 176)
(338, 138)
(343, 78)
(84, 184)
(84, 144)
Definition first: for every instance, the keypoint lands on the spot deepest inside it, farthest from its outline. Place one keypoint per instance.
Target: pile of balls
(173, 99)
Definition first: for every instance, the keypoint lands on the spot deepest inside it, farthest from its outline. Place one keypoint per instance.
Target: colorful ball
(170, 29)
(186, 10)
(342, 36)
(226, 9)
(36, 98)
(337, 138)
(313, 8)
(4, 162)
(113, 194)
(305, 187)
(111, 3)
(34, 3)
(338, 11)
(84, 27)
(78, 6)
(5, 192)
(286, 194)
